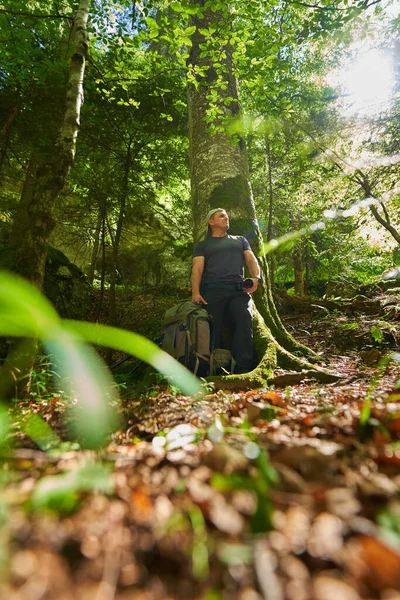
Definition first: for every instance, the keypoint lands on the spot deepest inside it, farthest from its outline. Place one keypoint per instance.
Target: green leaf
(60, 493)
(151, 23)
(177, 7)
(138, 346)
(24, 308)
(36, 428)
(189, 30)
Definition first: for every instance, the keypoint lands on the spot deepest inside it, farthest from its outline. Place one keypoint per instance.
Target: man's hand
(253, 287)
(198, 299)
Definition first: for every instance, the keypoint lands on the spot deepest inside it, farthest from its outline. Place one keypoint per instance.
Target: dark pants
(227, 301)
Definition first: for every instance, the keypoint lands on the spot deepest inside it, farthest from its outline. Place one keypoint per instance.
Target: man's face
(220, 219)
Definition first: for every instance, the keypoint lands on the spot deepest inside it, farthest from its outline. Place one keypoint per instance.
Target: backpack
(221, 362)
(187, 336)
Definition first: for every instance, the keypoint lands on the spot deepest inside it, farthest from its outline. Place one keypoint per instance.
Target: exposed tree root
(273, 355)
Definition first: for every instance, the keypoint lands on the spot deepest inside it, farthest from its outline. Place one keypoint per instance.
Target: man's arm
(254, 269)
(195, 280)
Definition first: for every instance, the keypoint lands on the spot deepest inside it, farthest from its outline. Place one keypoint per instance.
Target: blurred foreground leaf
(60, 493)
(25, 312)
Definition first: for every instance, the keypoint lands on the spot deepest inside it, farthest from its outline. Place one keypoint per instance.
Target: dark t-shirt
(224, 258)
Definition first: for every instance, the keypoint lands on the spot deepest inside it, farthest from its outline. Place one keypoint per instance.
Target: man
(217, 274)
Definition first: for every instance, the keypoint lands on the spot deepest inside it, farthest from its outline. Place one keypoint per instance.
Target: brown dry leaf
(251, 394)
(253, 411)
(386, 455)
(342, 503)
(296, 528)
(326, 537)
(142, 505)
(265, 566)
(298, 585)
(374, 563)
(225, 459)
(393, 426)
(249, 594)
(225, 517)
(327, 587)
(274, 399)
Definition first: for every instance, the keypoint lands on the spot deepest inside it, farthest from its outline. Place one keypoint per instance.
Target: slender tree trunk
(6, 133)
(270, 210)
(116, 243)
(96, 248)
(52, 173)
(220, 178)
(298, 270)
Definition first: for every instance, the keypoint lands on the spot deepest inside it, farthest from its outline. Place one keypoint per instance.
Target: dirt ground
(286, 493)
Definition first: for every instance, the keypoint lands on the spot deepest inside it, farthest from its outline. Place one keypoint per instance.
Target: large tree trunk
(220, 178)
(44, 182)
(52, 173)
(6, 133)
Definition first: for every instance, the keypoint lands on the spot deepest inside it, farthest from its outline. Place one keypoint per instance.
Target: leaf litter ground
(263, 494)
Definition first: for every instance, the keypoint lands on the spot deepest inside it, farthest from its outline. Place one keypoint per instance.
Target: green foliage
(61, 492)
(259, 482)
(366, 422)
(25, 312)
(377, 334)
(389, 524)
(349, 326)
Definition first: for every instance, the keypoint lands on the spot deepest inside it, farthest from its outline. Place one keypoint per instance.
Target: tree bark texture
(298, 269)
(6, 133)
(96, 248)
(52, 173)
(116, 242)
(270, 209)
(220, 178)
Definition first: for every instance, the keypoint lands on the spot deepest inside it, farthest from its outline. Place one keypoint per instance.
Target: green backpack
(187, 336)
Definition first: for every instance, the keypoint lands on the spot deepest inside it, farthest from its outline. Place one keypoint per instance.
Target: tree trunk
(38, 202)
(52, 173)
(270, 211)
(6, 133)
(116, 242)
(298, 270)
(21, 217)
(96, 248)
(220, 178)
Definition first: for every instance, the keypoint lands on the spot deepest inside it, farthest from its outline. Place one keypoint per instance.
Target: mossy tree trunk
(6, 132)
(52, 173)
(34, 221)
(220, 178)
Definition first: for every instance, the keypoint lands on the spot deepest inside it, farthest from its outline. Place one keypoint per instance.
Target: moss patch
(232, 192)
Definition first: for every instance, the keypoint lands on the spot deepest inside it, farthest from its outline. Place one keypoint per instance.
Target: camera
(246, 284)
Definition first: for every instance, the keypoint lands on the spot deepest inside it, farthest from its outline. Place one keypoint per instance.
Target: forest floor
(286, 493)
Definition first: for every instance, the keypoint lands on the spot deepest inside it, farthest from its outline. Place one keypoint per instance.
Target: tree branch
(331, 8)
(34, 15)
(317, 6)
